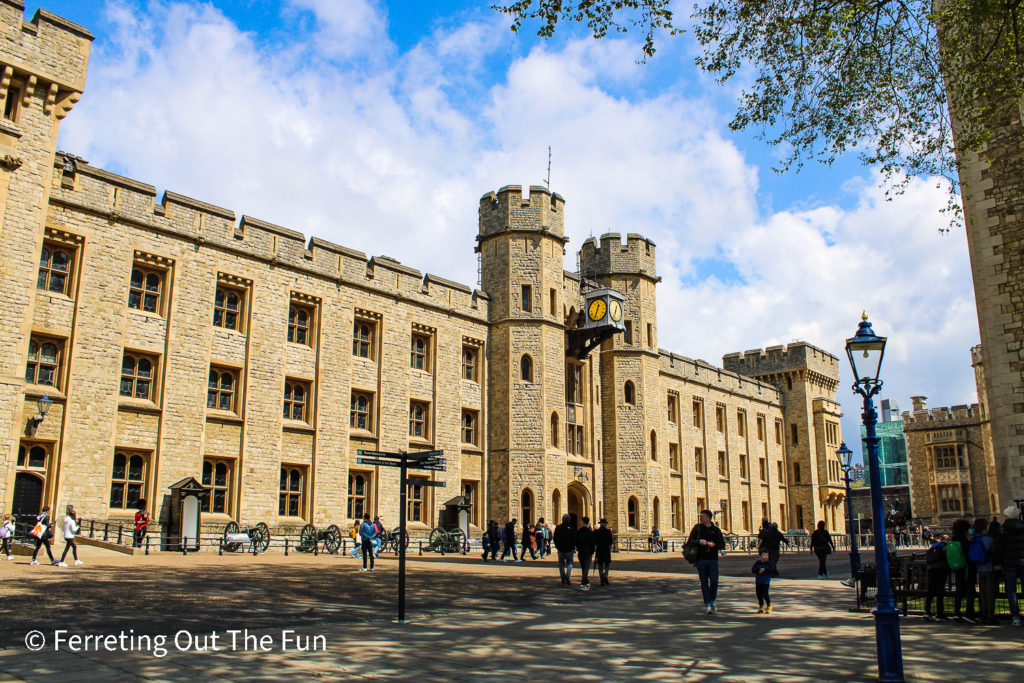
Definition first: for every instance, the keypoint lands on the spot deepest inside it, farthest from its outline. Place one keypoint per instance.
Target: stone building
(176, 339)
(952, 464)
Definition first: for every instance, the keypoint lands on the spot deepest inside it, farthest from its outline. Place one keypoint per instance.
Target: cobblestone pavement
(466, 619)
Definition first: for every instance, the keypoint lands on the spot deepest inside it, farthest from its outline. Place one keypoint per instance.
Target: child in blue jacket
(762, 571)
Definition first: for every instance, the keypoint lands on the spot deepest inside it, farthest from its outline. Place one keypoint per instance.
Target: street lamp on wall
(43, 405)
(865, 350)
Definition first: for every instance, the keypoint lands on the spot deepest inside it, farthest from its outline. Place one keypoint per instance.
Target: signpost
(422, 460)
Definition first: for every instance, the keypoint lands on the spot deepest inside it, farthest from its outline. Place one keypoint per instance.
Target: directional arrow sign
(377, 454)
(432, 468)
(423, 454)
(423, 482)
(375, 461)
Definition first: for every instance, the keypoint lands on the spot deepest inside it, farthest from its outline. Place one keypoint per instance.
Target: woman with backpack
(956, 558)
(980, 554)
(822, 546)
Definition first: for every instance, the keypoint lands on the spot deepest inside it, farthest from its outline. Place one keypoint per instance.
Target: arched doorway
(556, 507)
(578, 500)
(526, 507)
(28, 496)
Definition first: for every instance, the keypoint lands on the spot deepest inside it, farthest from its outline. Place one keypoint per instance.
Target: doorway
(577, 500)
(28, 496)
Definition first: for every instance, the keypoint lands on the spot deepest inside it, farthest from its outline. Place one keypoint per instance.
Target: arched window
(656, 518)
(526, 368)
(629, 393)
(554, 430)
(654, 445)
(632, 513)
(556, 506)
(526, 506)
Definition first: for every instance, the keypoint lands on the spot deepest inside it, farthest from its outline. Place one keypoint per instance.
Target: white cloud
(389, 153)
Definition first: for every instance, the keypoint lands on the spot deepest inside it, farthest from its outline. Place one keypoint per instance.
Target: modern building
(176, 339)
(892, 447)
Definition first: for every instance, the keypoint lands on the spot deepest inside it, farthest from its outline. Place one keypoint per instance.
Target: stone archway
(578, 500)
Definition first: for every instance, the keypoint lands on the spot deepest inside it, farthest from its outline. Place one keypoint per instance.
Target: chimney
(918, 402)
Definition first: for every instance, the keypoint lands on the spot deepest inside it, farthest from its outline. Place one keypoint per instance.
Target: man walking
(585, 550)
(709, 540)
(565, 544)
(509, 538)
(771, 542)
(367, 532)
(603, 541)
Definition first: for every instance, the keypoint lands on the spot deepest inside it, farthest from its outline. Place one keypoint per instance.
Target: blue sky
(378, 125)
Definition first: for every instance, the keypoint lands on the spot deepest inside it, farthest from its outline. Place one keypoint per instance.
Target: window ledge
(223, 416)
(472, 448)
(145, 314)
(286, 520)
(218, 518)
(364, 359)
(298, 345)
(55, 296)
(470, 381)
(40, 390)
(136, 405)
(419, 443)
(226, 330)
(354, 432)
(297, 426)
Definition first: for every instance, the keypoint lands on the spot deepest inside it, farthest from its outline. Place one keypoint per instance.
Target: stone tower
(42, 76)
(807, 378)
(521, 244)
(630, 381)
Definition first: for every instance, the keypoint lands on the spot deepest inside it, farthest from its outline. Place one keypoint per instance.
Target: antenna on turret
(547, 180)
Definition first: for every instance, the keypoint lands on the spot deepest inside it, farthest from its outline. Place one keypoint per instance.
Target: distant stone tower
(630, 382)
(40, 84)
(521, 243)
(807, 377)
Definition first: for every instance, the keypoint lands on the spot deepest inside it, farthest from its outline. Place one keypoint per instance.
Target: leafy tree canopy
(828, 76)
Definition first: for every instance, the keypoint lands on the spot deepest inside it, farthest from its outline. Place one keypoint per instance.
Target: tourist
(541, 535)
(70, 529)
(565, 544)
(654, 540)
(529, 541)
(367, 532)
(353, 533)
(585, 551)
(771, 540)
(43, 534)
(378, 538)
(1011, 548)
(762, 571)
(495, 534)
(508, 537)
(141, 524)
(604, 539)
(822, 546)
(709, 540)
(938, 573)
(980, 555)
(956, 558)
(485, 541)
(7, 535)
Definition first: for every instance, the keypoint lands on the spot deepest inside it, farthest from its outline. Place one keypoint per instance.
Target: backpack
(955, 555)
(936, 555)
(977, 553)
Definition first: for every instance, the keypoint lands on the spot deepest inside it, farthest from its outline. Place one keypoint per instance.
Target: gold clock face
(615, 310)
(597, 309)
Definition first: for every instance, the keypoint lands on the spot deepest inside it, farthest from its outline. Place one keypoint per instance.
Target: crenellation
(610, 257)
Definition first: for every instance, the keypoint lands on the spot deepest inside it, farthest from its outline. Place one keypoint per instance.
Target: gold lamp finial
(864, 315)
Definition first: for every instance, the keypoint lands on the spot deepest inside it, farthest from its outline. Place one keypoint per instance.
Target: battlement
(122, 200)
(938, 418)
(508, 211)
(610, 256)
(705, 374)
(48, 56)
(776, 359)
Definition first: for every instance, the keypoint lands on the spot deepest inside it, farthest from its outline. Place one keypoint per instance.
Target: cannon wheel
(397, 533)
(332, 539)
(438, 539)
(230, 528)
(261, 537)
(307, 539)
(456, 539)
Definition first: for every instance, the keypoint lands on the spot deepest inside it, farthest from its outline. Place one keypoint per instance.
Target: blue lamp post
(865, 350)
(845, 456)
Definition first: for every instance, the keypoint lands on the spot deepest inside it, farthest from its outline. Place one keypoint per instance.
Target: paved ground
(466, 618)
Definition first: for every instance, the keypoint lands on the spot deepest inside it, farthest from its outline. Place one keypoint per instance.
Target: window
(627, 336)
(656, 512)
(654, 445)
(361, 413)
(702, 504)
(227, 308)
(783, 520)
(300, 320)
(55, 265)
(782, 475)
(720, 418)
(556, 505)
(469, 489)
(290, 500)
(217, 480)
(629, 393)
(553, 302)
(726, 516)
(744, 470)
(789, 384)
(760, 428)
(469, 427)
(526, 506)
(796, 473)
(698, 459)
(416, 506)
(573, 383)
(526, 368)
(745, 507)
(527, 298)
(799, 516)
(362, 339)
(137, 375)
(794, 434)
(673, 457)
(222, 389)
(574, 439)
(145, 288)
(762, 466)
(296, 400)
(44, 357)
(723, 465)
(469, 356)
(633, 513)
(358, 488)
(11, 104)
(949, 498)
(419, 422)
(128, 480)
(420, 352)
(554, 430)
(831, 433)
(741, 423)
(677, 513)
(698, 414)
(650, 336)
(673, 408)
(945, 457)
(778, 431)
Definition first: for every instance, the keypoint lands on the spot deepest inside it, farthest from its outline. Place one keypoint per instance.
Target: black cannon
(256, 537)
(310, 538)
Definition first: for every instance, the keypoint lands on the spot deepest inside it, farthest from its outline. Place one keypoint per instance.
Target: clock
(597, 309)
(615, 310)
